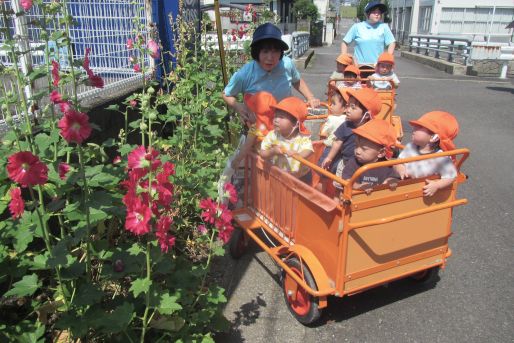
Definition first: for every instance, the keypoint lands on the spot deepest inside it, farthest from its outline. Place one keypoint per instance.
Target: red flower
(55, 73)
(63, 168)
(166, 241)
(137, 68)
(133, 103)
(85, 64)
(95, 81)
(17, 205)
(56, 97)
(153, 47)
(130, 43)
(168, 169)
(65, 106)
(26, 169)
(226, 233)
(231, 192)
(139, 158)
(74, 126)
(26, 4)
(138, 218)
(210, 209)
(202, 229)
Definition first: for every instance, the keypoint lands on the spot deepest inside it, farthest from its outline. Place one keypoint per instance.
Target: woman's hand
(313, 102)
(247, 116)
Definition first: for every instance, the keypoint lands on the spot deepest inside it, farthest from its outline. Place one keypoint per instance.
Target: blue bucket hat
(374, 4)
(268, 31)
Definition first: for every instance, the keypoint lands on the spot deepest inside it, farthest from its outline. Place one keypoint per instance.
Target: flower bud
(143, 126)
(151, 90)
(118, 266)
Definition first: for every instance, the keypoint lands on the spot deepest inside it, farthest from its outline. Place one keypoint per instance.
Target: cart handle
(391, 219)
(288, 270)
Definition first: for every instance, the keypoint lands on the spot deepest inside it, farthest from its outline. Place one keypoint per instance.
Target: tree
(362, 16)
(304, 9)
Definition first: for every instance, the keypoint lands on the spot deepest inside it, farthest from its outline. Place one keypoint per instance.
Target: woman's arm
(344, 47)
(302, 87)
(244, 112)
(390, 48)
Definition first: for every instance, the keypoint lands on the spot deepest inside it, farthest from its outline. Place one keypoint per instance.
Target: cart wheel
(427, 276)
(237, 244)
(301, 304)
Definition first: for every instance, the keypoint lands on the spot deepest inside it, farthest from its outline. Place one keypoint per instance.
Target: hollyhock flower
(166, 241)
(153, 47)
(17, 205)
(133, 103)
(26, 169)
(130, 43)
(138, 218)
(202, 229)
(231, 192)
(224, 217)
(168, 169)
(210, 210)
(56, 97)
(74, 126)
(95, 81)
(137, 68)
(85, 64)
(65, 106)
(116, 160)
(26, 4)
(63, 168)
(225, 234)
(132, 59)
(165, 193)
(139, 158)
(55, 73)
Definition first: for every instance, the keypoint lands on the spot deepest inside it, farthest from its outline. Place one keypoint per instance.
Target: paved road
(474, 300)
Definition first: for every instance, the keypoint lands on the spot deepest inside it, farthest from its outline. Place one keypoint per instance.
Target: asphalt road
(474, 299)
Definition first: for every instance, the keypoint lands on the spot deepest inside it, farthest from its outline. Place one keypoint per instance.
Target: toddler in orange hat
(261, 104)
(289, 137)
(374, 141)
(432, 132)
(351, 74)
(342, 61)
(384, 73)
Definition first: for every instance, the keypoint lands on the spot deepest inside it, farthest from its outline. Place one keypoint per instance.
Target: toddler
(351, 73)
(432, 132)
(289, 137)
(343, 60)
(336, 116)
(363, 105)
(374, 141)
(261, 104)
(384, 73)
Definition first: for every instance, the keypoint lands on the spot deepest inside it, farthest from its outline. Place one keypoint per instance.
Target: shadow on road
(501, 89)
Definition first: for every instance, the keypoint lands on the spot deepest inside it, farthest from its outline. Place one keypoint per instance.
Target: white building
(481, 20)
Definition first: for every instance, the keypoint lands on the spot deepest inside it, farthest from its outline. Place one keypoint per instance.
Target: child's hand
(401, 170)
(430, 188)
(277, 150)
(326, 163)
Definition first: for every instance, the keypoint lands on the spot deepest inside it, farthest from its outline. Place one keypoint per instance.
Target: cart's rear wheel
(301, 304)
(427, 276)
(237, 244)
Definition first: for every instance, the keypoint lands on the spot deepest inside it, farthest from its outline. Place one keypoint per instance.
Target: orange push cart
(329, 247)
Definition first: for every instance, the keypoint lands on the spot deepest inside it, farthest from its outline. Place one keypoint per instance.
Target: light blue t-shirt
(251, 78)
(370, 40)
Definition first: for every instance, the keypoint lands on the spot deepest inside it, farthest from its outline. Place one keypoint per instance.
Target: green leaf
(113, 107)
(22, 238)
(168, 324)
(37, 73)
(87, 295)
(39, 262)
(168, 304)
(121, 317)
(140, 286)
(135, 249)
(34, 336)
(26, 286)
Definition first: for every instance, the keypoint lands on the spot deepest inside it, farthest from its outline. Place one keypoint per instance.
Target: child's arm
(336, 146)
(433, 186)
(396, 81)
(269, 153)
(401, 170)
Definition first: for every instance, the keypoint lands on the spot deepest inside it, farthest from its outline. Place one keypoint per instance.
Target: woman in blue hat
(269, 71)
(371, 36)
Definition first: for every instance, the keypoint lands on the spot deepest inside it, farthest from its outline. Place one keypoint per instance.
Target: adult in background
(371, 36)
(270, 71)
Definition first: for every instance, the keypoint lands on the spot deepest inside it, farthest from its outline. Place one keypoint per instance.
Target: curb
(448, 67)
(303, 61)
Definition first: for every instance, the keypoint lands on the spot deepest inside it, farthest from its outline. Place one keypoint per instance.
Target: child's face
(269, 58)
(341, 67)
(367, 151)
(337, 104)
(351, 76)
(354, 112)
(284, 123)
(384, 68)
(421, 136)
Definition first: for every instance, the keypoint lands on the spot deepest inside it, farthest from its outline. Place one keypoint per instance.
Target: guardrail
(507, 54)
(298, 43)
(453, 49)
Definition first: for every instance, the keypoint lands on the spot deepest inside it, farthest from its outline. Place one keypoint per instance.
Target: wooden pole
(221, 47)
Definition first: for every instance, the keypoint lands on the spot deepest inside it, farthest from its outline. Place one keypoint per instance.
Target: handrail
(435, 43)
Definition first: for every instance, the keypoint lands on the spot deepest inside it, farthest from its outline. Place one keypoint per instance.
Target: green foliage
(305, 9)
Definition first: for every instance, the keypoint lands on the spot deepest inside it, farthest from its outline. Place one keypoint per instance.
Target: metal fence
(452, 49)
(102, 25)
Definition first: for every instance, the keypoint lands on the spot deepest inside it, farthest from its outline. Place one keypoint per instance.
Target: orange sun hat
(369, 98)
(297, 108)
(386, 57)
(378, 131)
(345, 59)
(261, 103)
(352, 69)
(341, 90)
(443, 124)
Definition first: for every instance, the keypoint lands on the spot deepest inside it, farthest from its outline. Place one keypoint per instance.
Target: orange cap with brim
(378, 131)
(345, 59)
(341, 90)
(443, 124)
(261, 104)
(352, 69)
(369, 98)
(386, 57)
(297, 108)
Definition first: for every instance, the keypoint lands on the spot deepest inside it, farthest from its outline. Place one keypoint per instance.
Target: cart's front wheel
(301, 304)
(237, 244)
(427, 276)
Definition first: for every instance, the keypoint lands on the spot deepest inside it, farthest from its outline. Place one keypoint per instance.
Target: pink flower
(133, 103)
(210, 210)
(226, 233)
(130, 43)
(55, 73)
(166, 241)
(139, 158)
(26, 169)
(137, 68)
(202, 229)
(231, 193)
(138, 218)
(63, 168)
(56, 97)
(95, 81)
(26, 4)
(85, 64)
(17, 205)
(65, 106)
(153, 47)
(74, 126)
(116, 160)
